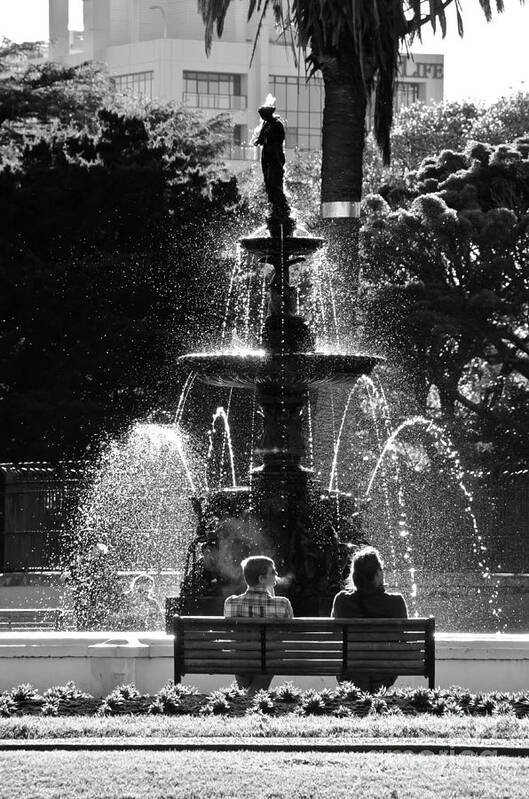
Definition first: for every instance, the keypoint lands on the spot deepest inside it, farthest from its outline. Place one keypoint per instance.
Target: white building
(158, 51)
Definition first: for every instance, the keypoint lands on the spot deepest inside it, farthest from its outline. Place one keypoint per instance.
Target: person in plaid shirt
(258, 601)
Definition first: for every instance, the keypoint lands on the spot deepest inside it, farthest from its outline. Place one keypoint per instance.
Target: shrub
(125, 691)
(349, 691)
(232, 692)
(217, 704)
(24, 693)
(156, 707)
(50, 708)
(169, 699)
(421, 699)
(262, 703)
(287, 692)
(379, 706)
(66, 693)
(7, 706)
(311, 703)
(116, 700)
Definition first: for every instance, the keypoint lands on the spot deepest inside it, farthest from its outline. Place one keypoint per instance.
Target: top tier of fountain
(289, 355)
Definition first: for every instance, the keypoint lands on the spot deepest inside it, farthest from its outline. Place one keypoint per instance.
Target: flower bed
(345, 701)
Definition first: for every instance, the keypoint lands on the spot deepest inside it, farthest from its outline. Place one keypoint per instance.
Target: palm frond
(213, 13)
(265, 5)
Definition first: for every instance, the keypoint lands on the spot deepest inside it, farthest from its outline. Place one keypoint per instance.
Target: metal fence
(36, 503)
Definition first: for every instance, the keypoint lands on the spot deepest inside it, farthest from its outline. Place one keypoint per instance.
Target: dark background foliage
(111, 211)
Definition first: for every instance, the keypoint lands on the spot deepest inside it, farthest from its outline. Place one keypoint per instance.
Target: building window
(407, 93)
(300, 104)
(238, 149)
(214, 90)
(135, 82)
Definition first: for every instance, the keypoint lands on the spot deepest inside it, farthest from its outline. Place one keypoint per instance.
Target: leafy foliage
(110, 224)
(453, 291)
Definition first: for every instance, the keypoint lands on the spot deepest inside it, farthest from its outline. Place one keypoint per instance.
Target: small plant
(326, 696)
(66, 693)
(7, 706)
(349, 692)
(421, 699)
(104, 709)
(263, 703)
(342, 712)
(24, 693)
(168, 700)
(116, 700)
(50, 708)
(490, 706)
(232, 692)
(287, 692)
(126, 691)
(446, 706)
(216, 705)
(379, 706)
(311, 703)
(156, 708)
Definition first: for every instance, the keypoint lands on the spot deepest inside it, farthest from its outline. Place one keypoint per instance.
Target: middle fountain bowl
(299, 369)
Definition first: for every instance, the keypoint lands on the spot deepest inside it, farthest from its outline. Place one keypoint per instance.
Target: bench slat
(210, 646)
(315, 623)
(412, 638)
(286, 635)
(394, 646)
(222, 667)
(404, 657)
(228, 655)
(398, 646)
(313, 646)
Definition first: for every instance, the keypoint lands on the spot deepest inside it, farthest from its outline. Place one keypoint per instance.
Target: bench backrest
(303, 646)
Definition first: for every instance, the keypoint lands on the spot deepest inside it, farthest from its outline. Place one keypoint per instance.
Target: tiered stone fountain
(283, 512)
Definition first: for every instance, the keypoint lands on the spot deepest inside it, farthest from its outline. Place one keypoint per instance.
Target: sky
(491, 60)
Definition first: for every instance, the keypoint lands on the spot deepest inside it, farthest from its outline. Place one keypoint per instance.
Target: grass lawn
(458, 729)
(260, 775)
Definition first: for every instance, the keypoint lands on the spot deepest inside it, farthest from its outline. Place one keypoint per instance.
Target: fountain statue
(283, 511)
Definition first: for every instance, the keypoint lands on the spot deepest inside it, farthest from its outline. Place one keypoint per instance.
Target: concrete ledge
(98, 661)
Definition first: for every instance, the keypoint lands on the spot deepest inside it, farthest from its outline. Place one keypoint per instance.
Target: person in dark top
(365, 597)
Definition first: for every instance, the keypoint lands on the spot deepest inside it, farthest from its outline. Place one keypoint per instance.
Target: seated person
(258, 601)
(370, 601)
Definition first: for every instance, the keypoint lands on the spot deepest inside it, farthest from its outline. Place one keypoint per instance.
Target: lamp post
(164, 17)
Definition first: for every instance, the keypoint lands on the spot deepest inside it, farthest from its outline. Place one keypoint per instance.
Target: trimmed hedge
(346, 700)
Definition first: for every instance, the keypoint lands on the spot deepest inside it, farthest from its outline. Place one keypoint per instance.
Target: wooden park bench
(19, 619)
(303, 646)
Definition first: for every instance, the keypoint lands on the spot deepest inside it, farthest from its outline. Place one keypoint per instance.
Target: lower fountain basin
(298, 369)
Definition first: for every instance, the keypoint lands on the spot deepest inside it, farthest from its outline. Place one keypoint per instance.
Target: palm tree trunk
(343, 137)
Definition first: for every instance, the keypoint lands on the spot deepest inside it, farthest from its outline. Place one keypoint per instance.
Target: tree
(453, 297)
(106, 258)
(420, 130)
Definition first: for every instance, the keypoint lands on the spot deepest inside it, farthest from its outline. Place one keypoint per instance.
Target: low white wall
(97, 662)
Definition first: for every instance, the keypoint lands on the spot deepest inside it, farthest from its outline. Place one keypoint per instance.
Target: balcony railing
(241, 152)
(234, 102)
